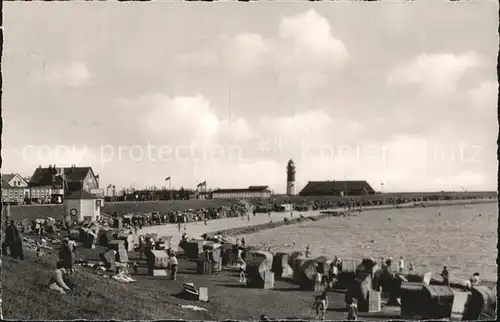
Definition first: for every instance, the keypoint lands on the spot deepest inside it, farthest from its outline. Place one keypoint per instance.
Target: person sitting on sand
(56, 282)
(321, 305)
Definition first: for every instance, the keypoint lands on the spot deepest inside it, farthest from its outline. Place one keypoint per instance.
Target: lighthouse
(290, 178)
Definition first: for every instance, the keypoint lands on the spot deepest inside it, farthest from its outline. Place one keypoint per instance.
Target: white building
(14, 188)
(82, 205)
(248, 193)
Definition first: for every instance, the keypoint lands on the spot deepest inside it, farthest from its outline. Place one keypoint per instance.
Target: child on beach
(321, 305)
(352, 310)
(242, 267)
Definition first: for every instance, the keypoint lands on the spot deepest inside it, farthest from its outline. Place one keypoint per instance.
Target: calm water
(459, 238)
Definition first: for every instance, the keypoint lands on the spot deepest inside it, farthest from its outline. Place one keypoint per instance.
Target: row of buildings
(51, 184)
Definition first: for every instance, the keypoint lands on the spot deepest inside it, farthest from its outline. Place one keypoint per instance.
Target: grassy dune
(25, 298)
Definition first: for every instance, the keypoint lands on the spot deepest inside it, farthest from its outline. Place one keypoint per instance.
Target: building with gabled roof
(14, 188)
(62, 181)
(337, 188)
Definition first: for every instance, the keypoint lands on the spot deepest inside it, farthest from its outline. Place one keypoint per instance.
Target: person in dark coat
(13, 241)
(67, 257)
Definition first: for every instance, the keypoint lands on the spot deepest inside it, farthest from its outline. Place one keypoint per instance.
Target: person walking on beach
(446, 276)
(172, 263)
(242, 267)
(321, 305)
(401, 265)
(308, 252)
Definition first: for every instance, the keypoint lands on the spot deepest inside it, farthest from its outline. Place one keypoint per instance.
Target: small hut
(425, 302)
(281, 268)
(192, 248)
(259, 265)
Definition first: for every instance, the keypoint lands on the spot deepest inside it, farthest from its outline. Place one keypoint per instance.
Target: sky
(403, 95)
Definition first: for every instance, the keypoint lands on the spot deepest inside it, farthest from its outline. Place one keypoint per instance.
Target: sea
(462, 237)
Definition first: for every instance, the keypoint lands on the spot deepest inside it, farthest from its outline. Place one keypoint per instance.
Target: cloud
(304, 53)
(435, 74)
(72, 75)
(484, 97)
(27, 158)
(310, 40)
(177, 118)
(247, 51)
(236, 131)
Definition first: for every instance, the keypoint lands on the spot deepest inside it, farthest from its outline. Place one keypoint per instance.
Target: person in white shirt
(172, 264)
(401, 264)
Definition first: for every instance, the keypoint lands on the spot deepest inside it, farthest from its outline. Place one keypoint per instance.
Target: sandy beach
(194, 229)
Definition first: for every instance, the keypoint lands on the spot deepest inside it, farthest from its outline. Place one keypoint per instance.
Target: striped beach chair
(190, 290)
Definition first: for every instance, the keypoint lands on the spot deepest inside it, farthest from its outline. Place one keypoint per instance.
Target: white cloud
(436, 74)
(176, 118)
(310, 41)
(236, 131)
(26, 159)
(484, 97)
(304, 53)
(73, 75)
(247, 51)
